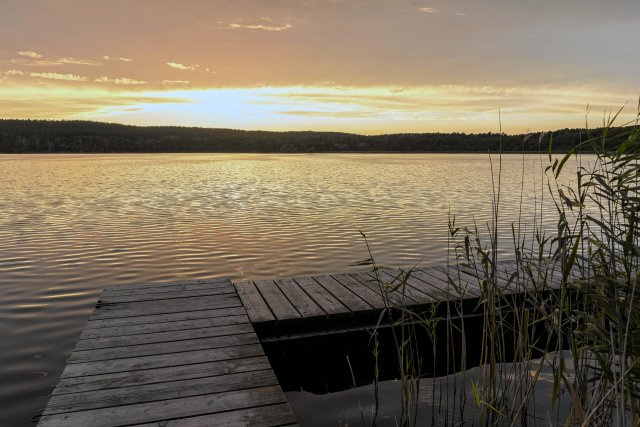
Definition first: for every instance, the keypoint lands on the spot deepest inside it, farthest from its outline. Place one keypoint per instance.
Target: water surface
(71, 224)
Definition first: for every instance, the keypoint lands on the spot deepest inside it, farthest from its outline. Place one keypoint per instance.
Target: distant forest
(48, 136)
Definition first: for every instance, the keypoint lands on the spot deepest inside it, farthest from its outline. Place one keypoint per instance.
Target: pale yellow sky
(366, 66)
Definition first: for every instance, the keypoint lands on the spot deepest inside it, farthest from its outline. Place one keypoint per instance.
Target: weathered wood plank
(468, 273)
(396, 299)
(445, 287)
(423, 282)
(129, 351)
(167, 409)
(154, 285)
(275, 299)
(165, 317)
(373, 298)
(148, 328)
(110, 311)
(137, 297)
(264, 416)
(150, 376)
(396, 277)
(343, 294)
(306, 306)
(224, 287)
(161, 360)
(330, 304)
(257, 308)
(162, 337)
(158, 391)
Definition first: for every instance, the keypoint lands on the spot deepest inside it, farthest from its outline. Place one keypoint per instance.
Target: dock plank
(330, 304)
(396, 278)
(305, 305)
(131, 364)
(165, 317)
(396, 299)
(450, 287)
(118, 310)
(160, 337)
(278, 303)
(175, 346)
(141, 296)
(149, 328)
(154, 285)
(158, 391)
(167, 409)
(265, 416)
(373, 298)
(155, 375)
(257, 308)
(343, 294)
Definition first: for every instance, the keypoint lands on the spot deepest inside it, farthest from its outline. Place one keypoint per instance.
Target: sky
(363, 66)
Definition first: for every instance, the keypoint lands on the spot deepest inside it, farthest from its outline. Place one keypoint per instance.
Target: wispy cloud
(460, 14)
(32, 62)
(175, 82)
(263, 24)
(428, 10)
(77, 61)
(59, 76)
(30, 54)
(109, 58)
(14, 73)
(120, 81)
(178, 66)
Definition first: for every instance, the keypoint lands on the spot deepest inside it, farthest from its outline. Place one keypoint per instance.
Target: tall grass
(564, 314)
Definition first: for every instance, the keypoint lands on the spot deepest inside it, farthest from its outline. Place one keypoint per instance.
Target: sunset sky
(365, 66)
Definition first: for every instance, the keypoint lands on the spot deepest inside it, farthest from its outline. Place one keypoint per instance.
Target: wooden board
(405, 286)
(343, 294)
(278, 303)
(168, 354)
(305, 305)
(329, 303)
(257, 308)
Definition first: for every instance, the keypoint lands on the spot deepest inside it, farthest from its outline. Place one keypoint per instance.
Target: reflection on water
(71, 224)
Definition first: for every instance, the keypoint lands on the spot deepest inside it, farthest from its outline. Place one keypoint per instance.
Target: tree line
(49, 136)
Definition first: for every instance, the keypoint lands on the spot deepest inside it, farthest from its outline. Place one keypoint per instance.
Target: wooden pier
(186, 353)
(307, 299)
(170, 354)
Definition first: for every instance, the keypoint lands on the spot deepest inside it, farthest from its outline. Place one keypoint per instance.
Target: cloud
(178, 66)
(30, 54)
(427, 10)
(77, 61)
(263, 24)
(58, 76)
(109, 58)
(51, 102)
(32, 62)
(460, 14)
(14, 73)
(175, 82)
(120, 81)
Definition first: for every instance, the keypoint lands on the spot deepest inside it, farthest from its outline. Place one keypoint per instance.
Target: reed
(562, 313)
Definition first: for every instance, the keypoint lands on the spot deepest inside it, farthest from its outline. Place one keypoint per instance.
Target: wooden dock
(186, 353)
(170, 354)
(296, 301)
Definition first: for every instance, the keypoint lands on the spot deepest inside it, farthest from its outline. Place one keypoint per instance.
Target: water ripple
(72, 224)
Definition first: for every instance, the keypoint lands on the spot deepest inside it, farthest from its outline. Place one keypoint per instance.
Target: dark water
(71, 224)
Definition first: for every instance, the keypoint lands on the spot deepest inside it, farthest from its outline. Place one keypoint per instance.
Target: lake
(71, 224)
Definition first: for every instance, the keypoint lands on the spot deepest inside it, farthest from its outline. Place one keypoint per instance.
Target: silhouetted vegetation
(47, 136)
